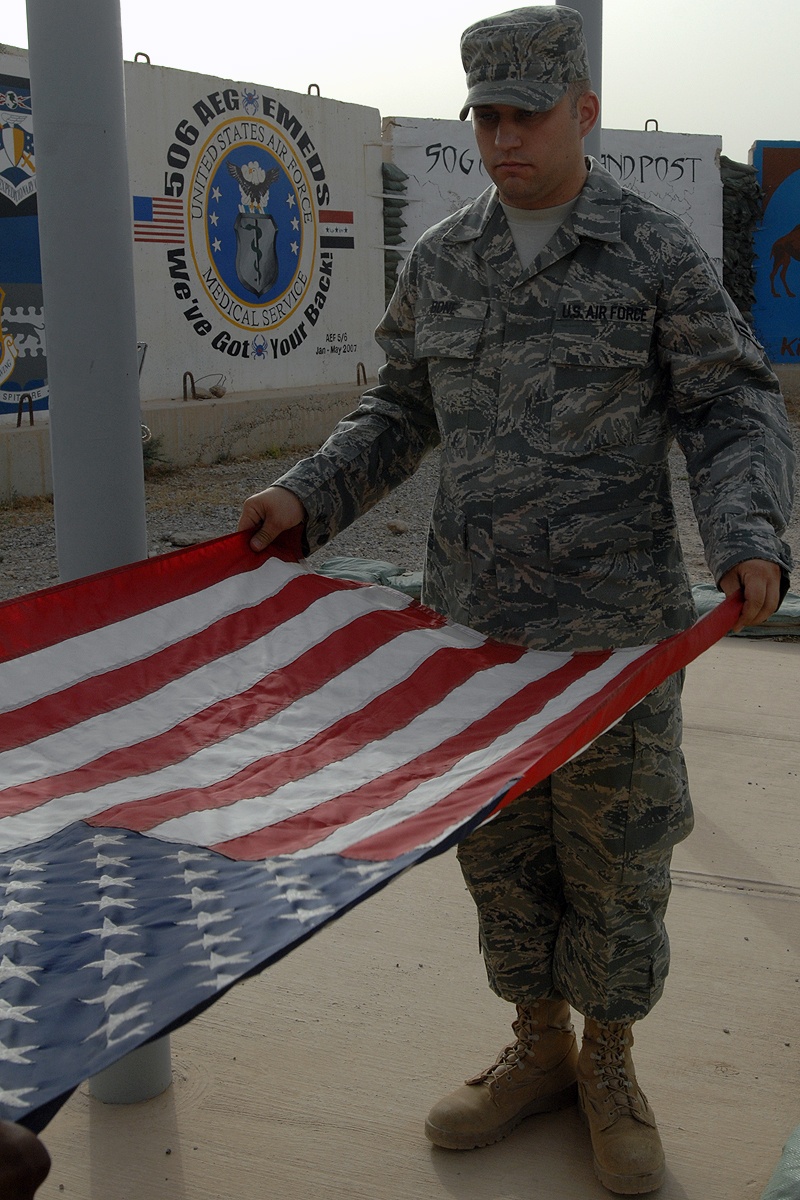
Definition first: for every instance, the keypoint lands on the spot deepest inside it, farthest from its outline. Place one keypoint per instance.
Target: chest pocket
(603, 384)
(443, 334)
(451, 344)
(610, 344)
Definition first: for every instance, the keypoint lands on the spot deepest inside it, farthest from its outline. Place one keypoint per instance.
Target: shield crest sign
(256, 257)
(12, 139)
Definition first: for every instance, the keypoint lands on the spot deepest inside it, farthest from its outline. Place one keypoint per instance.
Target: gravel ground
(198, 503)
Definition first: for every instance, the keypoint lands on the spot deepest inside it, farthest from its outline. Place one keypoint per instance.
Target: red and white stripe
(216, 698)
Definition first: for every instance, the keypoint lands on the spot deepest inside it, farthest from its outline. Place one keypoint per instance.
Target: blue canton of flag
(98, 926)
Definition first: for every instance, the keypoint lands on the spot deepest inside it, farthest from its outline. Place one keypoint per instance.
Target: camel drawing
(783, 251)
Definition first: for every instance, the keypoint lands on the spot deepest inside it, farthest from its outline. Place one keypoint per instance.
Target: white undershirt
(532, 228)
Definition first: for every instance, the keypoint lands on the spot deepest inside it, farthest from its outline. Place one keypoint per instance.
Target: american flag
(207, 756)
(158, 219)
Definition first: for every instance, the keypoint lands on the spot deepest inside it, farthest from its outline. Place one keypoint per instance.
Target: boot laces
(514, 1056)
(611, 1070)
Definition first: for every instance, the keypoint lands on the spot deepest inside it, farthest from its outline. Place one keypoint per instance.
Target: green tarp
(784, 623)
(785, 1181)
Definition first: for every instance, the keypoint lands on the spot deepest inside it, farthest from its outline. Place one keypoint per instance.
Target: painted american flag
(207, 756)
(158, 219)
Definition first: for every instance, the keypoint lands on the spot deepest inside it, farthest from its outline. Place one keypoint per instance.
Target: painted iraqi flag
(336, 229)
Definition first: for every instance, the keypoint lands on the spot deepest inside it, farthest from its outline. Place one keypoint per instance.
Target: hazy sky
(725, 67)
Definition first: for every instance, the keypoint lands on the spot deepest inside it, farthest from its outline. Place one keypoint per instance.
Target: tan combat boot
(535, 1074)
(628, 1158)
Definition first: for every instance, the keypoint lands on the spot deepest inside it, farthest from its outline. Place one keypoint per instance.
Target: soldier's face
(535, 158)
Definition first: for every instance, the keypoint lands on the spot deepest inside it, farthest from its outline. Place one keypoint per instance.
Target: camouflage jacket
(555, 393)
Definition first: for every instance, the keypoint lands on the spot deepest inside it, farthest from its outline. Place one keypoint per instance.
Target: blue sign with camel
(776, 312)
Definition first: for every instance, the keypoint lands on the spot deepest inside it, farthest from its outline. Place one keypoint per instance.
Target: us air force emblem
(254, 273)
(255, 229)
(252, 229)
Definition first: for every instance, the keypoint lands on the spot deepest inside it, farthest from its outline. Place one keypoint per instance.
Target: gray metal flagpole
(592, 13)
(85, 233)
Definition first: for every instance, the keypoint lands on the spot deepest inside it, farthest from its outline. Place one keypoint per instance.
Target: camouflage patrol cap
(526, 57)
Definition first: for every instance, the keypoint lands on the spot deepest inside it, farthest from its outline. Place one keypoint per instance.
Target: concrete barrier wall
(677, 171)
(207, 431)
(192, 431)
(257, 233)
(258, 264)
(23, 352)
(25, 468)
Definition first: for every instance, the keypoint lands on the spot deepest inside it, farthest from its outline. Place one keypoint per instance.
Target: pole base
(140, 1075)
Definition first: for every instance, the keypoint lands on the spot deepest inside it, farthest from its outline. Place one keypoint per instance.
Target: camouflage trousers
(572, 879)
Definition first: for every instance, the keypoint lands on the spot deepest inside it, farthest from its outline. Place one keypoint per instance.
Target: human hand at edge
(760, 581)
(24, 1162)
(270, 513)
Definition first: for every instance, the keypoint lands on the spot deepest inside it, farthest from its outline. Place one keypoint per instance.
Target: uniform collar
(596, 214)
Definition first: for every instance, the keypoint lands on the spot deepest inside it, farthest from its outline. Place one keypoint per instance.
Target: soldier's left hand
(760, 580)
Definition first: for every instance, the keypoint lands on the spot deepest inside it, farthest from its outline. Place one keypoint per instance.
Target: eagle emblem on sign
(255, 229)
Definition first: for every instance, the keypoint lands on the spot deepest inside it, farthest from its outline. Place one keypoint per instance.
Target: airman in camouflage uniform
(555, 389)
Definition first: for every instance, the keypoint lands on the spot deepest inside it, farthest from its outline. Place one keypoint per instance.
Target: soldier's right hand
(269, 513)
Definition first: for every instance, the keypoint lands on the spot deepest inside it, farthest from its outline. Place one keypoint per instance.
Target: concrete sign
(23, 356)
(257, 232)
(443, 165)
(256, 227)
(679, 172)
(776, 313)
